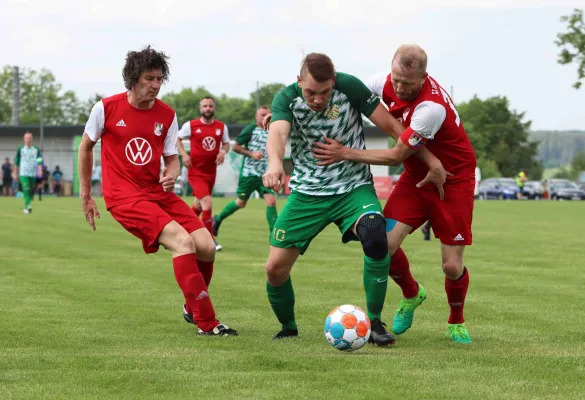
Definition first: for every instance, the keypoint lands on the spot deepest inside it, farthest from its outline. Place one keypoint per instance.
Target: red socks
(206, 269)
(197, 211)
(207, 221)
(194, 289)
(456, 291)
(400, 273)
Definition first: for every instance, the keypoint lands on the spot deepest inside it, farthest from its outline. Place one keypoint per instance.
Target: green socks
(375, 284)
(282, 300)
(228, 210)
(271, 215)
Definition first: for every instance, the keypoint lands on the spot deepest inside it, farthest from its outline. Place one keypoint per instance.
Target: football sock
(207, 221)
(206, 269)
(27, 194)
(282, 300)
(197, 211)
(228, 210)
(271, 216)
(40, 193)
(375, 284)
(197, 298)
(456, 292)
(400, 273)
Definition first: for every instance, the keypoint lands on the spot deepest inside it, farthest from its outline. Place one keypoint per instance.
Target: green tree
(266, 93)
(59, 108)
(87, 105)
(572, 44)
(500, 135)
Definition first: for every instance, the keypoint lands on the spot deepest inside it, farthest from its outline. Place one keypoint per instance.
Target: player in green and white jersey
(28, 159)
(251, 143)
(325, 104)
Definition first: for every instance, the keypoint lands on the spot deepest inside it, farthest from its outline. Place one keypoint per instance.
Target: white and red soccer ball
(347, 328)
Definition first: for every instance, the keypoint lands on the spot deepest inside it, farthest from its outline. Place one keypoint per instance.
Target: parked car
(533, 190)
(564, 189)
(498, 188)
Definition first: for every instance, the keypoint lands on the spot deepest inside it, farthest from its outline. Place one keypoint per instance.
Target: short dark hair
(319, 65)
(138, 62)
(207, 98)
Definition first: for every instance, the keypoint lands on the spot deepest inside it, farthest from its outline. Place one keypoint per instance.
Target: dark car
(533, 190)
(564, 189)
(498, 188)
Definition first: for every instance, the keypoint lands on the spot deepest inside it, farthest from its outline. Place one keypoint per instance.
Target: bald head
(411, 57)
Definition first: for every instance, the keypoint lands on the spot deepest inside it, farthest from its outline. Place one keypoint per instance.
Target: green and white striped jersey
(27, 159)
(341, 120)
(253, 138)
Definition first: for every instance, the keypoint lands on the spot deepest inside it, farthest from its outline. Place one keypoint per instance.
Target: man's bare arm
(277, 137)
(85, 165)
(181, 148)
(242, 150)
(385, 121)
(172, 165)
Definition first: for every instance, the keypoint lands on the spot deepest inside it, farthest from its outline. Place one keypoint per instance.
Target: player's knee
(182, 243)
(452, 269)
(241, 203)
(371, 231)
(270, 201)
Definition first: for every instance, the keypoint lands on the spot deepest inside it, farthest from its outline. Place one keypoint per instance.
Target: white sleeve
(376, 83)
(185, 131)
(170, 146)
(427, 119)
(96, 121)
(226, 135)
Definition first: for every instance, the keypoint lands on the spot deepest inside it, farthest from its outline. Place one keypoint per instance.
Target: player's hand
(167, 181)
(437, 176)
(266, 122)
(257, 155)
(90, 210)
(220, 157)
(274, 177)
(187, 161)
(328, 152)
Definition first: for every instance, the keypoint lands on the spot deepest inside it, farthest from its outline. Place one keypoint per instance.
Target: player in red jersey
(210, 141)
(136, 130)
(431, 120)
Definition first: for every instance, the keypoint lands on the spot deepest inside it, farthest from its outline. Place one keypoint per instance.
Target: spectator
(57, 180)
(7, 178)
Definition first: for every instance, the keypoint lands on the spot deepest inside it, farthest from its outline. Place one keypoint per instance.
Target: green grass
(87, 315)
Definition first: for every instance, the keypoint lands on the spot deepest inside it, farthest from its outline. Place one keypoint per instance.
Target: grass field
(87, 315)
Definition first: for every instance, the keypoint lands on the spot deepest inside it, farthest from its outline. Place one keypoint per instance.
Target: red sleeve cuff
(412, 139)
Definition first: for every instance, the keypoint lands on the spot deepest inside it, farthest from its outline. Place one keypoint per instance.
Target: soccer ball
(347, 328)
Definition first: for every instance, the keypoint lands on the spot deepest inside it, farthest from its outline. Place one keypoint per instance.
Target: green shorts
(28, 183)
(248, 184)
(304, 216)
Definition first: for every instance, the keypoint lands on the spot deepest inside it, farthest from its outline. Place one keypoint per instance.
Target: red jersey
(205, 141)
(132, 142)
(432, 120)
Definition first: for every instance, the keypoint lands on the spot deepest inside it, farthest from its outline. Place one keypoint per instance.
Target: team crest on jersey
(158, 129)
(333, 112)
(218, 132)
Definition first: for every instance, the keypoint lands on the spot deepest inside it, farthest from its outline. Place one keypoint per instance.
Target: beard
(208, 114)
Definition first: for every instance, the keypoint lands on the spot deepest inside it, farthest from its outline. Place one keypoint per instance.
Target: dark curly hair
(137, 62)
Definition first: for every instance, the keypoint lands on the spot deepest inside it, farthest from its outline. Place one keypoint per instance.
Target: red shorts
(450, 219)
(146, 219)
(202, 185)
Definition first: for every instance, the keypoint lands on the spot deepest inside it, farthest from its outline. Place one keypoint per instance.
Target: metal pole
(15, 97)
(42, 106)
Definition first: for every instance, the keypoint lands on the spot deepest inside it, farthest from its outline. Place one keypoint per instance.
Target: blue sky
(500, 47)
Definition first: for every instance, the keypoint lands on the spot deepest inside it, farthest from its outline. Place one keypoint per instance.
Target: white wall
(56, 151)
(377, 143)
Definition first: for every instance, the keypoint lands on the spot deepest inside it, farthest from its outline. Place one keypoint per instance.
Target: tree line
(501, 136)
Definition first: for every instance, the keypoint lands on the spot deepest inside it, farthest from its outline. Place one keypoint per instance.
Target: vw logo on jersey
(138, 151)
(208, 143)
